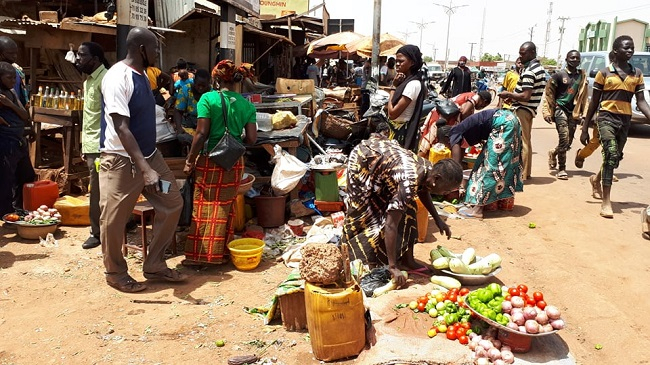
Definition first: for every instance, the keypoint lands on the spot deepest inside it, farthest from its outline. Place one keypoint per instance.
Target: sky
(503, 32)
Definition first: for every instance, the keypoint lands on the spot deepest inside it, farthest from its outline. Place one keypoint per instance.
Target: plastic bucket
(246, 253)
(270, 210)
(327, 186)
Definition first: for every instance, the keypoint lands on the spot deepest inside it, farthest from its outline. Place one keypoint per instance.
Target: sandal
(579, 161)
(127, 285)
(646, 235)
(562, 175)
(596, 189)
(166, 275)
(606, 213)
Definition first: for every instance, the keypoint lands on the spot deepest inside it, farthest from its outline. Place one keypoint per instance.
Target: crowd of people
(387, 173)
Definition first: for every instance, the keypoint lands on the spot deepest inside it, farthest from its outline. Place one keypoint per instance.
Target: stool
(144, 210)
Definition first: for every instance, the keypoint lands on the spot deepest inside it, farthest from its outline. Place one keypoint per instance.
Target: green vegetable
(445, 252)
(495, 288)
(598, 346)
(445, 281)
(532, 225)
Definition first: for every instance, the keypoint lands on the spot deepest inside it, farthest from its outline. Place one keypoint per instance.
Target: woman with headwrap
(215, 189)
(384, 181)
(406, 98)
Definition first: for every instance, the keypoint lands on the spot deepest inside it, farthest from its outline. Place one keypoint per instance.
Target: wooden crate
(293, 311)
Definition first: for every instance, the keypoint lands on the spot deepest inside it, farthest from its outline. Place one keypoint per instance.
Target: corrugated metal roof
(170, 13)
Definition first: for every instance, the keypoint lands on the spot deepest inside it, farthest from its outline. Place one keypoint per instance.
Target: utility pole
(376, 32)
(450, 10)
(434, 49)
(547, 38)
(559, 50)
(405, 34)
(471, 50)
(480, 46)
(532, 29)
(421, 25)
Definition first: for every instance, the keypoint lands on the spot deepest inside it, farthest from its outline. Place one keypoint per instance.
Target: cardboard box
(48, 16)
(293, 311)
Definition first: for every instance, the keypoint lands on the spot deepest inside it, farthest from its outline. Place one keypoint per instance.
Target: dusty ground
(55, 307)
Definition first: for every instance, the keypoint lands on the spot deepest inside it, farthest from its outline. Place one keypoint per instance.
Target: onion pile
(489, 350)
(43, 215)
(531, 320)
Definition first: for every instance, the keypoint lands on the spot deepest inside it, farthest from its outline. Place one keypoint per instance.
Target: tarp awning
(251, 29)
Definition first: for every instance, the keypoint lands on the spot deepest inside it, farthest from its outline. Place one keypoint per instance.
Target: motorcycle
(485, 84)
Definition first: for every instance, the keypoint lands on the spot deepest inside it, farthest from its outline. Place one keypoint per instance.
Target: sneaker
(552, 161)
(579, 161)
(562, 175)
(91, 242)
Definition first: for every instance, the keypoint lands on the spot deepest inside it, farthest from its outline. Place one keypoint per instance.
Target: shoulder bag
(228, 150)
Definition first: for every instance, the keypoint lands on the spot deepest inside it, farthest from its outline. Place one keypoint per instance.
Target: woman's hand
(189, 168)
(397, 275)
(444, 228)
(399, 78)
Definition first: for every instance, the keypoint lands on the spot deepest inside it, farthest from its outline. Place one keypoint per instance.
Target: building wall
(634, 29)
(599, 36)
(193, 45)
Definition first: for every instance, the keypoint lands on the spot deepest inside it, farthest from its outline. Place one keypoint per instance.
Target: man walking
(565, 103)
(614, 87)
(131, 164)
(525, 100)
(91, 61)
(461, 77)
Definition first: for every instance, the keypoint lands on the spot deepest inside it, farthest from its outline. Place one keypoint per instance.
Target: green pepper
(451, 318)
(501, 319)
(494, 288)
(485, 295)
(477, 329)
(461, 311)
(490, 313)
(464, 318)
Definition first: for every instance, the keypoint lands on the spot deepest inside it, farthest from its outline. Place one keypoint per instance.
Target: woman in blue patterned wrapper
(497, 172)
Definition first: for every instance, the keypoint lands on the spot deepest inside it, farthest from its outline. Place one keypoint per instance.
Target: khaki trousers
(526, 120)
(119, 188)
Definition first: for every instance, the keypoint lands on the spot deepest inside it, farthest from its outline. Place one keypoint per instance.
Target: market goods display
(466, 263)
(44, 215)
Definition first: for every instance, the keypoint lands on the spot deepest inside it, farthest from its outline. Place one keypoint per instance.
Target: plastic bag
(287, 172)
(283, 119)
(376, 278)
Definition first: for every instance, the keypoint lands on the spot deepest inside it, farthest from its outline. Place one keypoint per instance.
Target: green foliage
(548, 61)
(486, 57)
(427, 59)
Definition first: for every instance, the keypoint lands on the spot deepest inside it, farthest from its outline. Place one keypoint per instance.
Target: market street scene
(309, 181)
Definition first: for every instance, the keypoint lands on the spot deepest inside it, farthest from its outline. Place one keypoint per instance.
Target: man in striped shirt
(525, 100)
(614, 87)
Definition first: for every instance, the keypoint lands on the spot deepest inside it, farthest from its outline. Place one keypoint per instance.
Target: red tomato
(460, 331)
(538, 296)
(451, 335)
(453, 297)
(541, 304)
(454, 290)
(463, 340)
(463, 291)
(452, 328)
(465, 325)
(513, 292)
(522, 288)
(508, 296)
(421, 306)
(423, 300)
(531, 301)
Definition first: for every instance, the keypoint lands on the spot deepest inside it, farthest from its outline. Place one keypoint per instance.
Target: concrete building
(599, 36)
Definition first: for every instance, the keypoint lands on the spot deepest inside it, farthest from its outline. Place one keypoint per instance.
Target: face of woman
(403, 64)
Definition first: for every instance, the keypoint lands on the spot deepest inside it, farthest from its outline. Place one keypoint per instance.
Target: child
(15, 165)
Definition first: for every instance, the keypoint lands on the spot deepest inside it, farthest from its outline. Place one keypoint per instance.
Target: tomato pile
(521, 290)
(450, 312)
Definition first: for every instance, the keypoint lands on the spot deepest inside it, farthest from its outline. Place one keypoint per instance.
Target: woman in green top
(215, 189)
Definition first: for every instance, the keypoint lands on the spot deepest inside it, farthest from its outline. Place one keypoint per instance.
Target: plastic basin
(246, 253)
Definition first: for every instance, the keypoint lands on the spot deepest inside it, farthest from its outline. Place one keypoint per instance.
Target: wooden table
(70, 122)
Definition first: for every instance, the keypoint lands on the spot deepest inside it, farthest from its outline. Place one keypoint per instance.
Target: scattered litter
(49, 241)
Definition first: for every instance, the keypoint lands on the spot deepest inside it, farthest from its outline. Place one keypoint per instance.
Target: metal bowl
(467, 279)
(34, 231)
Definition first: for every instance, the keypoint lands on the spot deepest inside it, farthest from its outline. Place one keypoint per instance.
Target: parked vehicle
(591, 62)
(435, 72)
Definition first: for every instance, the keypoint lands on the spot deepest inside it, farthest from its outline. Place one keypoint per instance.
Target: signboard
(227, 31)
(252, 7)
(133, 12)
(283, 7)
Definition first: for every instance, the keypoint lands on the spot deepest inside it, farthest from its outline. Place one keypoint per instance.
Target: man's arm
(593, 106)
(642, 104)
(150, 175)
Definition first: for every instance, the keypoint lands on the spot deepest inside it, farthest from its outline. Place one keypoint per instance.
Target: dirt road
(55, 307)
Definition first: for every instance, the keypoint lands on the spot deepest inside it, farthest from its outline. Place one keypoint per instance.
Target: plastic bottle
(46, 97)
(38, 98)
(55, 99)
(63, 96)
(70, 102)
(77, 104)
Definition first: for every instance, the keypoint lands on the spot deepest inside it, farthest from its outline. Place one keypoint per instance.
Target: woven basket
(341, 128)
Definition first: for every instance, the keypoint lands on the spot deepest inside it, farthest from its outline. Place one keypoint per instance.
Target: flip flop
(646, 235)
(166, 275)
(606, 213)
(128, 285)
(562, 175)
(596, 188)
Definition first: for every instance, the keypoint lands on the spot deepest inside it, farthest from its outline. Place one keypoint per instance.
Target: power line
(531, 30)
(450, 10)
(559, 50)
(548, 27)
(421, 25)
(471, 50)
(405, 34)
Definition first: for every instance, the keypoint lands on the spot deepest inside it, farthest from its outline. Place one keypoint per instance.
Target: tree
(427, 59)
(548, 61)
(486, 57)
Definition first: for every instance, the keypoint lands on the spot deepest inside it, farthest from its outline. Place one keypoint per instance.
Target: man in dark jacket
(461, 77)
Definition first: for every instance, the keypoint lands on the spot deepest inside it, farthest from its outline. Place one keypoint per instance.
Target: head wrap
(224, 71)
(462, 58)
(412, 52)
(248, 70)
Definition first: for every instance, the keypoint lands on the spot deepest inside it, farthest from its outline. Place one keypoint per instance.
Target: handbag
(447, 108)
(228, 150)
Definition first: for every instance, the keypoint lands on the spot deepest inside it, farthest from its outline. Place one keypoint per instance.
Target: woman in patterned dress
(384, 181)
(496, 175)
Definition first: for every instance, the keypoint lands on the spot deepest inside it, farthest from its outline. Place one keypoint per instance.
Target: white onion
(57, 216)
(506, 306)
(505, 348)
(472, 345)
(508, 357)
(532, 326)
(482, 361)
(52, 210)
(496, 343)
(542, 318)
(472, 335)
(476, 338)
(517, 302)
(530, 313)
(494, 354)
(522, 329)
(518, 318)
(558, 324)
(486, 344)
(480, 352)
(513, 326)
(43, 207)
(552, 312)
(547, 328)
(498, 362)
